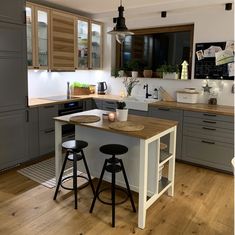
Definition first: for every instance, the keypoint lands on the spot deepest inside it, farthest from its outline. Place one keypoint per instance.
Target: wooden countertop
(35, 102)
(152, 126)
(217, 109)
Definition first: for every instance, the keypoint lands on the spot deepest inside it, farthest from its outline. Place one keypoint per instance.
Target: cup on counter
(111, 117)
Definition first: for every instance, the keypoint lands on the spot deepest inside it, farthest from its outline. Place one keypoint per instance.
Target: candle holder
(111, 117)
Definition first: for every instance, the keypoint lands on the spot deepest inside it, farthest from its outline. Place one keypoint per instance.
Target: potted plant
(147, 72)
(121, 111)
(170, 71)
(133, 65)
(78, 88)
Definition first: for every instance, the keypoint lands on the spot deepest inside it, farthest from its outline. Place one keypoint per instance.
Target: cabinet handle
(209, 114)
(27, 115)
(36, 67)
(211, 122)
(49, 131)
(49, 107)
(109, 102)
(24, 17)
(164, 109)
(207, 142)
(27, 101)
(207, 128)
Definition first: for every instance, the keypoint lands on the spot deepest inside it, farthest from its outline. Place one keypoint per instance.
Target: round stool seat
(113, 149)
(74, 145)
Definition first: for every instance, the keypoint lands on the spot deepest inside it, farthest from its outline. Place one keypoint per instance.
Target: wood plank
(203, 204)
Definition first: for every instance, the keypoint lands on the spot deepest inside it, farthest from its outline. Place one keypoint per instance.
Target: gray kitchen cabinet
(98, 104)
(109, 105)
(208, 140)
(14, 144)
(170, 114)
(13, 70)
(87, 104)
(137, 112)
(33, 133)
(12, 11)
(47, 128)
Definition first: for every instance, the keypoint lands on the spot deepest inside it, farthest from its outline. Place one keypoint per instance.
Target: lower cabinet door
(206, 152)
(46, 141)
(14, 142)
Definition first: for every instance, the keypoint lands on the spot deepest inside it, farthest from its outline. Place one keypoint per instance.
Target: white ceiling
(99, 9)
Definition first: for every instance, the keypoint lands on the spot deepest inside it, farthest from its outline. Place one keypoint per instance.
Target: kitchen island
(143, 160)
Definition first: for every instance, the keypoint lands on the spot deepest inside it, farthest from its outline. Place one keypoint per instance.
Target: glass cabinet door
(96, 45)
(29, 25)
(82, 44)
(42, 38)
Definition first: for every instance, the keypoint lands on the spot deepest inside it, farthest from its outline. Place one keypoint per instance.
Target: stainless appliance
(102, 87)
(68, 130)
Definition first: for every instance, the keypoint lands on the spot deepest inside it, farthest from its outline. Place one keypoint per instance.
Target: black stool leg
(113, 193)
(98, 186)
(75, 179)
(128, 187)
(88, 172)
(61, 175)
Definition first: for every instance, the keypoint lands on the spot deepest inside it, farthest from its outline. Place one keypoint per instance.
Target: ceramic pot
(148, 73)
(134, 74)
(122, 114)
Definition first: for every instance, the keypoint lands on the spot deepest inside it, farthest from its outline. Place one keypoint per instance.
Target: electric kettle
(102, 87)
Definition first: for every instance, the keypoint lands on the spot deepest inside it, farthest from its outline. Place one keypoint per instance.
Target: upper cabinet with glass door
(82, 44)
(96, 45)
(37, 19)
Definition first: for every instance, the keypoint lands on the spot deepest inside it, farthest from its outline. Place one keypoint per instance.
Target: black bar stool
(113, 165)
(74, 153)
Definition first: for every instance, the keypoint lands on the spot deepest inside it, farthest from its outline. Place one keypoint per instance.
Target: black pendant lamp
(120, 30)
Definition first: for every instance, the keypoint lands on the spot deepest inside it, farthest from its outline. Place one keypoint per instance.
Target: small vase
(121, 114)
(134, 74)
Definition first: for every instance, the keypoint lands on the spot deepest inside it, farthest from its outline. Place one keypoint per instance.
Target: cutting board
(84, 119)
(126, 126)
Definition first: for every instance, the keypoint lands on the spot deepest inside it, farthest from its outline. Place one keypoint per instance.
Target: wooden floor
(203, 204)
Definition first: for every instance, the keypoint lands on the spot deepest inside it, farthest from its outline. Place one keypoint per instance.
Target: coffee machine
(102, 87)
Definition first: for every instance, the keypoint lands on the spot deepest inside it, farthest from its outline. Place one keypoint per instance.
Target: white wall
(211, 24)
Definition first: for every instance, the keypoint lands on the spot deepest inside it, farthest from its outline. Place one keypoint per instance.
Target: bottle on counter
(68, 90)
(155, 93)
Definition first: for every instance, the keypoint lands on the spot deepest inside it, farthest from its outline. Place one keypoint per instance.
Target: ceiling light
(120, 30)
(228, 6)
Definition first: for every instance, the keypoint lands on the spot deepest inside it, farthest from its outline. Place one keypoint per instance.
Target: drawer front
(209, 116)
(109, 105)
(208, 122)
(209, 133)
(217, 155)
(46, 115)
(46, 141)
(98, 104)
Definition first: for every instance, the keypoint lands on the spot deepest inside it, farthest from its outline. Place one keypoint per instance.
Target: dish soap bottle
(155, 93)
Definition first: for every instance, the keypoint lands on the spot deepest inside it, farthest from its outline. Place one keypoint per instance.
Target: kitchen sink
(138, 103)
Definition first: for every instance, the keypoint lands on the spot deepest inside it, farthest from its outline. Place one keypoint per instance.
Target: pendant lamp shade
(120, 30)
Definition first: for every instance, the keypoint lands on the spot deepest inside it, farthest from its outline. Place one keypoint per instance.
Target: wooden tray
(84, 119)
(126, 126)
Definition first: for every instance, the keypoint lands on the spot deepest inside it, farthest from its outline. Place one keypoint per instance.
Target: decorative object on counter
(165, 95)
(121, 111)
(170, 71)
(187, 96)
(102, 87)
(78, 88)
(120, 30)
(207, 88)
(126, 126)
(213, 98)
(111, 117)
(129, 83)
(84, 119)
(184, 71)
(92, 89)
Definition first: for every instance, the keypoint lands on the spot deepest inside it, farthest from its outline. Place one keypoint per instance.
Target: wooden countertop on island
(152, 126)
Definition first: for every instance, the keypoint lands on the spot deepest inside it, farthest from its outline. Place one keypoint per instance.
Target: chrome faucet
(146, 91)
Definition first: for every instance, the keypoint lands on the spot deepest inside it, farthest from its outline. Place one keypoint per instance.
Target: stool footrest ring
(116, 203)
(71, 177)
